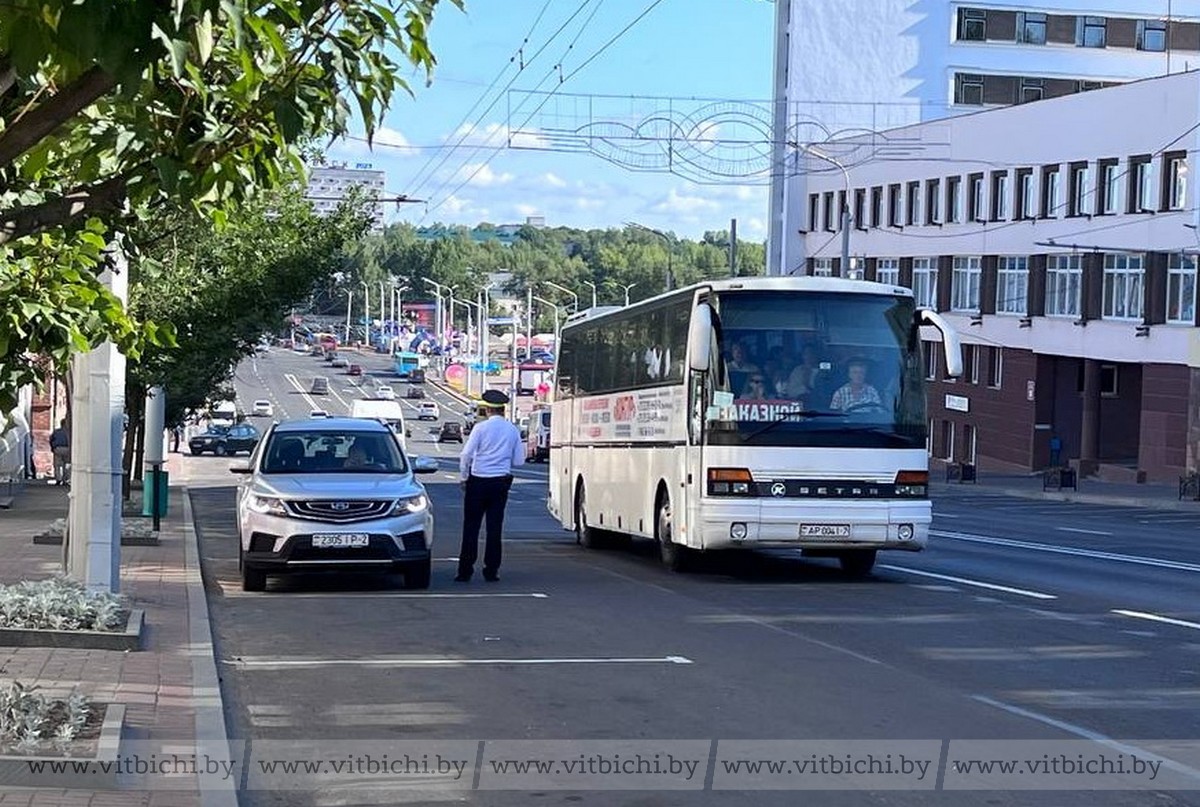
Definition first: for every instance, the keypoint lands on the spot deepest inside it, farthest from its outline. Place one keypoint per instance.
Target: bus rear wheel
(674, 556)
(857, 563)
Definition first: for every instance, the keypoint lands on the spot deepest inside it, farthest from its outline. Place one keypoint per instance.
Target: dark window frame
(1025, 24)
(954, 213)
(814, 211)
(1134, 201)
(827, 220)
(1077, 180)
(976, 202)
(860, 208)
(1091, 26)
(912, 200)
(895, 199)
(1144, 27)
(877, 206)
(1021, 200)
(1000, 208)
(972, 25)
(933, 198)
(1049, 205)
(972, 82)
(1030, 90)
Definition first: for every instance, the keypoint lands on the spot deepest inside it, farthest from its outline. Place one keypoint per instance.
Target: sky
(475, 144)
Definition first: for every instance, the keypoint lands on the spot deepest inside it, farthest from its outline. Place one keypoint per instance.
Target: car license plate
(824, 530)
(345, 540)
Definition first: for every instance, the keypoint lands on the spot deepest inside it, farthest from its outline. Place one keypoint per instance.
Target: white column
(778, 224)
(93, 547)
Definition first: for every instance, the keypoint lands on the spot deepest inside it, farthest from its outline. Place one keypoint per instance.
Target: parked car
(333, 495)
(339, 363)
(320, 385)
(223, 440)
(450, 432)
(415, 392)
(355, 369)
(428, 411)
(385, 393)
(318, 413)
(537, 443)
(263, 408)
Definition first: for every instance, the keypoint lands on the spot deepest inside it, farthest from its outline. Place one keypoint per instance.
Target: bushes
(59, 604)
(29, 720)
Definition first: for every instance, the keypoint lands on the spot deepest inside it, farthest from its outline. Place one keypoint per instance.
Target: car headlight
(267, 504)
(410, 505)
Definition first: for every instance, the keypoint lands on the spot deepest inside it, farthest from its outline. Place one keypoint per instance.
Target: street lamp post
(593, 287)
(670, 279)
(555, 307)
(397, 311)
(467, 304)
(574, 296)
(366, 310)
(349, 306)
(845, 202)
(626, 289)
(437, 312)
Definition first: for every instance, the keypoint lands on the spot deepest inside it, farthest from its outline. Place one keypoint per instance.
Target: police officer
(492, 450)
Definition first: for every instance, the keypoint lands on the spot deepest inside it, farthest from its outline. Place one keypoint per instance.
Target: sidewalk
(1155, 496)
(169, 687)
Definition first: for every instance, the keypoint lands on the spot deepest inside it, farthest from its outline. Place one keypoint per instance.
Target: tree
(113, 107)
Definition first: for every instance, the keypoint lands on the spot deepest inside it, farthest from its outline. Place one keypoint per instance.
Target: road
(1025, 621)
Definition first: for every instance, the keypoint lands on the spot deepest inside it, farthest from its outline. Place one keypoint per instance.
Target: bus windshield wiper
(792, 413)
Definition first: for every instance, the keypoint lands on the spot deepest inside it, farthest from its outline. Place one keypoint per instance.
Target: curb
(128, 638)
(207, 701)
(1087, 498)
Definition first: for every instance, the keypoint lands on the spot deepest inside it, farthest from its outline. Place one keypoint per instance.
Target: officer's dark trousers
(485, 496)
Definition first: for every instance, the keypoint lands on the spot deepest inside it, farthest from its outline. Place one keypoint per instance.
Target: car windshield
(323, 451)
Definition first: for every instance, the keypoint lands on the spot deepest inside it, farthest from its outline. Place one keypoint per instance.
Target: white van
(537, 444)
(223, 413)
(389, 412)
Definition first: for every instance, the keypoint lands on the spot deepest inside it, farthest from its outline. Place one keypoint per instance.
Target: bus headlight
(905, 533)
(730, 482)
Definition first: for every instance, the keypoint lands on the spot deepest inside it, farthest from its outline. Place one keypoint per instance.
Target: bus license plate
(347, 540)
(824, 530)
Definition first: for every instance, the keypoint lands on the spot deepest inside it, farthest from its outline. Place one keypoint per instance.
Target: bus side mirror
(700, 334)
(951, 344)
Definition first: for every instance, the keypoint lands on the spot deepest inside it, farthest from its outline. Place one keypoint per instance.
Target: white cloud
(387, 142)
(472, 134)
(585, 203)
(526, 210)
(681, 204)
(553, 180)
(481, 175)
(754, 226)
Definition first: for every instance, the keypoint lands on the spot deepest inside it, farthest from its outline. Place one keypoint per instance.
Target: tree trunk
(133, 402)
(140, 442)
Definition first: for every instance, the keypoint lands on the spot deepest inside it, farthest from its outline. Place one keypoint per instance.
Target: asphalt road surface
(1025, 621)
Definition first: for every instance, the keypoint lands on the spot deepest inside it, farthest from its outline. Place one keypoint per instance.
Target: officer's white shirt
(493, 448)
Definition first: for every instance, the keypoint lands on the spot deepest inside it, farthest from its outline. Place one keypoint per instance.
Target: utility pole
(554, 307)
(733, 245)
(349, 306)
(528, 321)
(593, 286)
(92, 544)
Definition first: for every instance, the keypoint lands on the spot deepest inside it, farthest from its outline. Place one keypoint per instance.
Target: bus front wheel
(674, 556)
(585, 535)
(857, 563)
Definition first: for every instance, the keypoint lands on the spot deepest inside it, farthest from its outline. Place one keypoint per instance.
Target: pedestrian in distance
(176, 436)
(485, 467)
(60, 447)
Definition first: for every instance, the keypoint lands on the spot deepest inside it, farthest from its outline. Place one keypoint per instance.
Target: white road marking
(1166, 620)
(1117, 557)
(269, 663)
(1037, 595)
(1082, 531)
(291, 378)
(1088, 734)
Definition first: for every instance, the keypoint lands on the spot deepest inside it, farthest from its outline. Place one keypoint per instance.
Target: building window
(887, 270)
(971, 364)
(975, 213)
(913, 206)
(1152, 35)
(876, 207)
(827, 221)
(1012, 285)
(841, 211)
(1091, 32)
(1141, 184)
(930, 353)
(1064, 282)
(1050, 183)
(894, 206)
(999, 195)
(1174, 181)
(1088, 86)
(1077, 203)
(1110, 188)
(823, 267)
(1032, 89)
(1181, 289)
(968, 89)
(925, 282)
(1031, 28)
(933, 193)
(972, 25)
(948, 440)
(1026, 194)
(860, 209)
(964, 283)
(814, 211)
(995, 366)
(1123, 284)
(953, 200)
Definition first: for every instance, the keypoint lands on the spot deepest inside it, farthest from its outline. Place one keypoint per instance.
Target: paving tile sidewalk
(155, 683)
(1155, 496)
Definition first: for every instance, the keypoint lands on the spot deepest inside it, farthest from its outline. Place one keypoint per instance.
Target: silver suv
(333, 494)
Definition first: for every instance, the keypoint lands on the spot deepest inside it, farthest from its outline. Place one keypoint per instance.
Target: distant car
(428, 411)
(355, 369)
(330, 355)
(318, 413)
(263, 408)
(415, 392)
(320, 385)
(318, 351)
(385, 393)
(416, 376)
(224, 440)
(261, 348)
(450, 432)
(340, 362)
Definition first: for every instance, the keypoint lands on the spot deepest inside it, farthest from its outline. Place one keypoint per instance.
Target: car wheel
(220, 450)
(416, 575)
(253, 579)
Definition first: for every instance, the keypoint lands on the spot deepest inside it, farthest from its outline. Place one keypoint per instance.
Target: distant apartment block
(328, 185)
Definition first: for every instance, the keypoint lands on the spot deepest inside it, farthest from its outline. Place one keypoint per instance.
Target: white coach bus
(749, 412)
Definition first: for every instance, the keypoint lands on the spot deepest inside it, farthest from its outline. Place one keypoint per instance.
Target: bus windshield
(817, 370)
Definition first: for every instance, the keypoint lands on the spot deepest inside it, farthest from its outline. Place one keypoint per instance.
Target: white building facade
(328, 185)
(1061, 239)
(845, 65)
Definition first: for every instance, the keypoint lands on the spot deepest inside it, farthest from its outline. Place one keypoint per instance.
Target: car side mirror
(241, 469)
(425, 465)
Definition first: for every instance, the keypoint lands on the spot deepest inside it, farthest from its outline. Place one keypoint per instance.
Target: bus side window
(675, 321)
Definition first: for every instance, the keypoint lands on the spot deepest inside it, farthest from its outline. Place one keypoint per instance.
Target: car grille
(340, 511)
